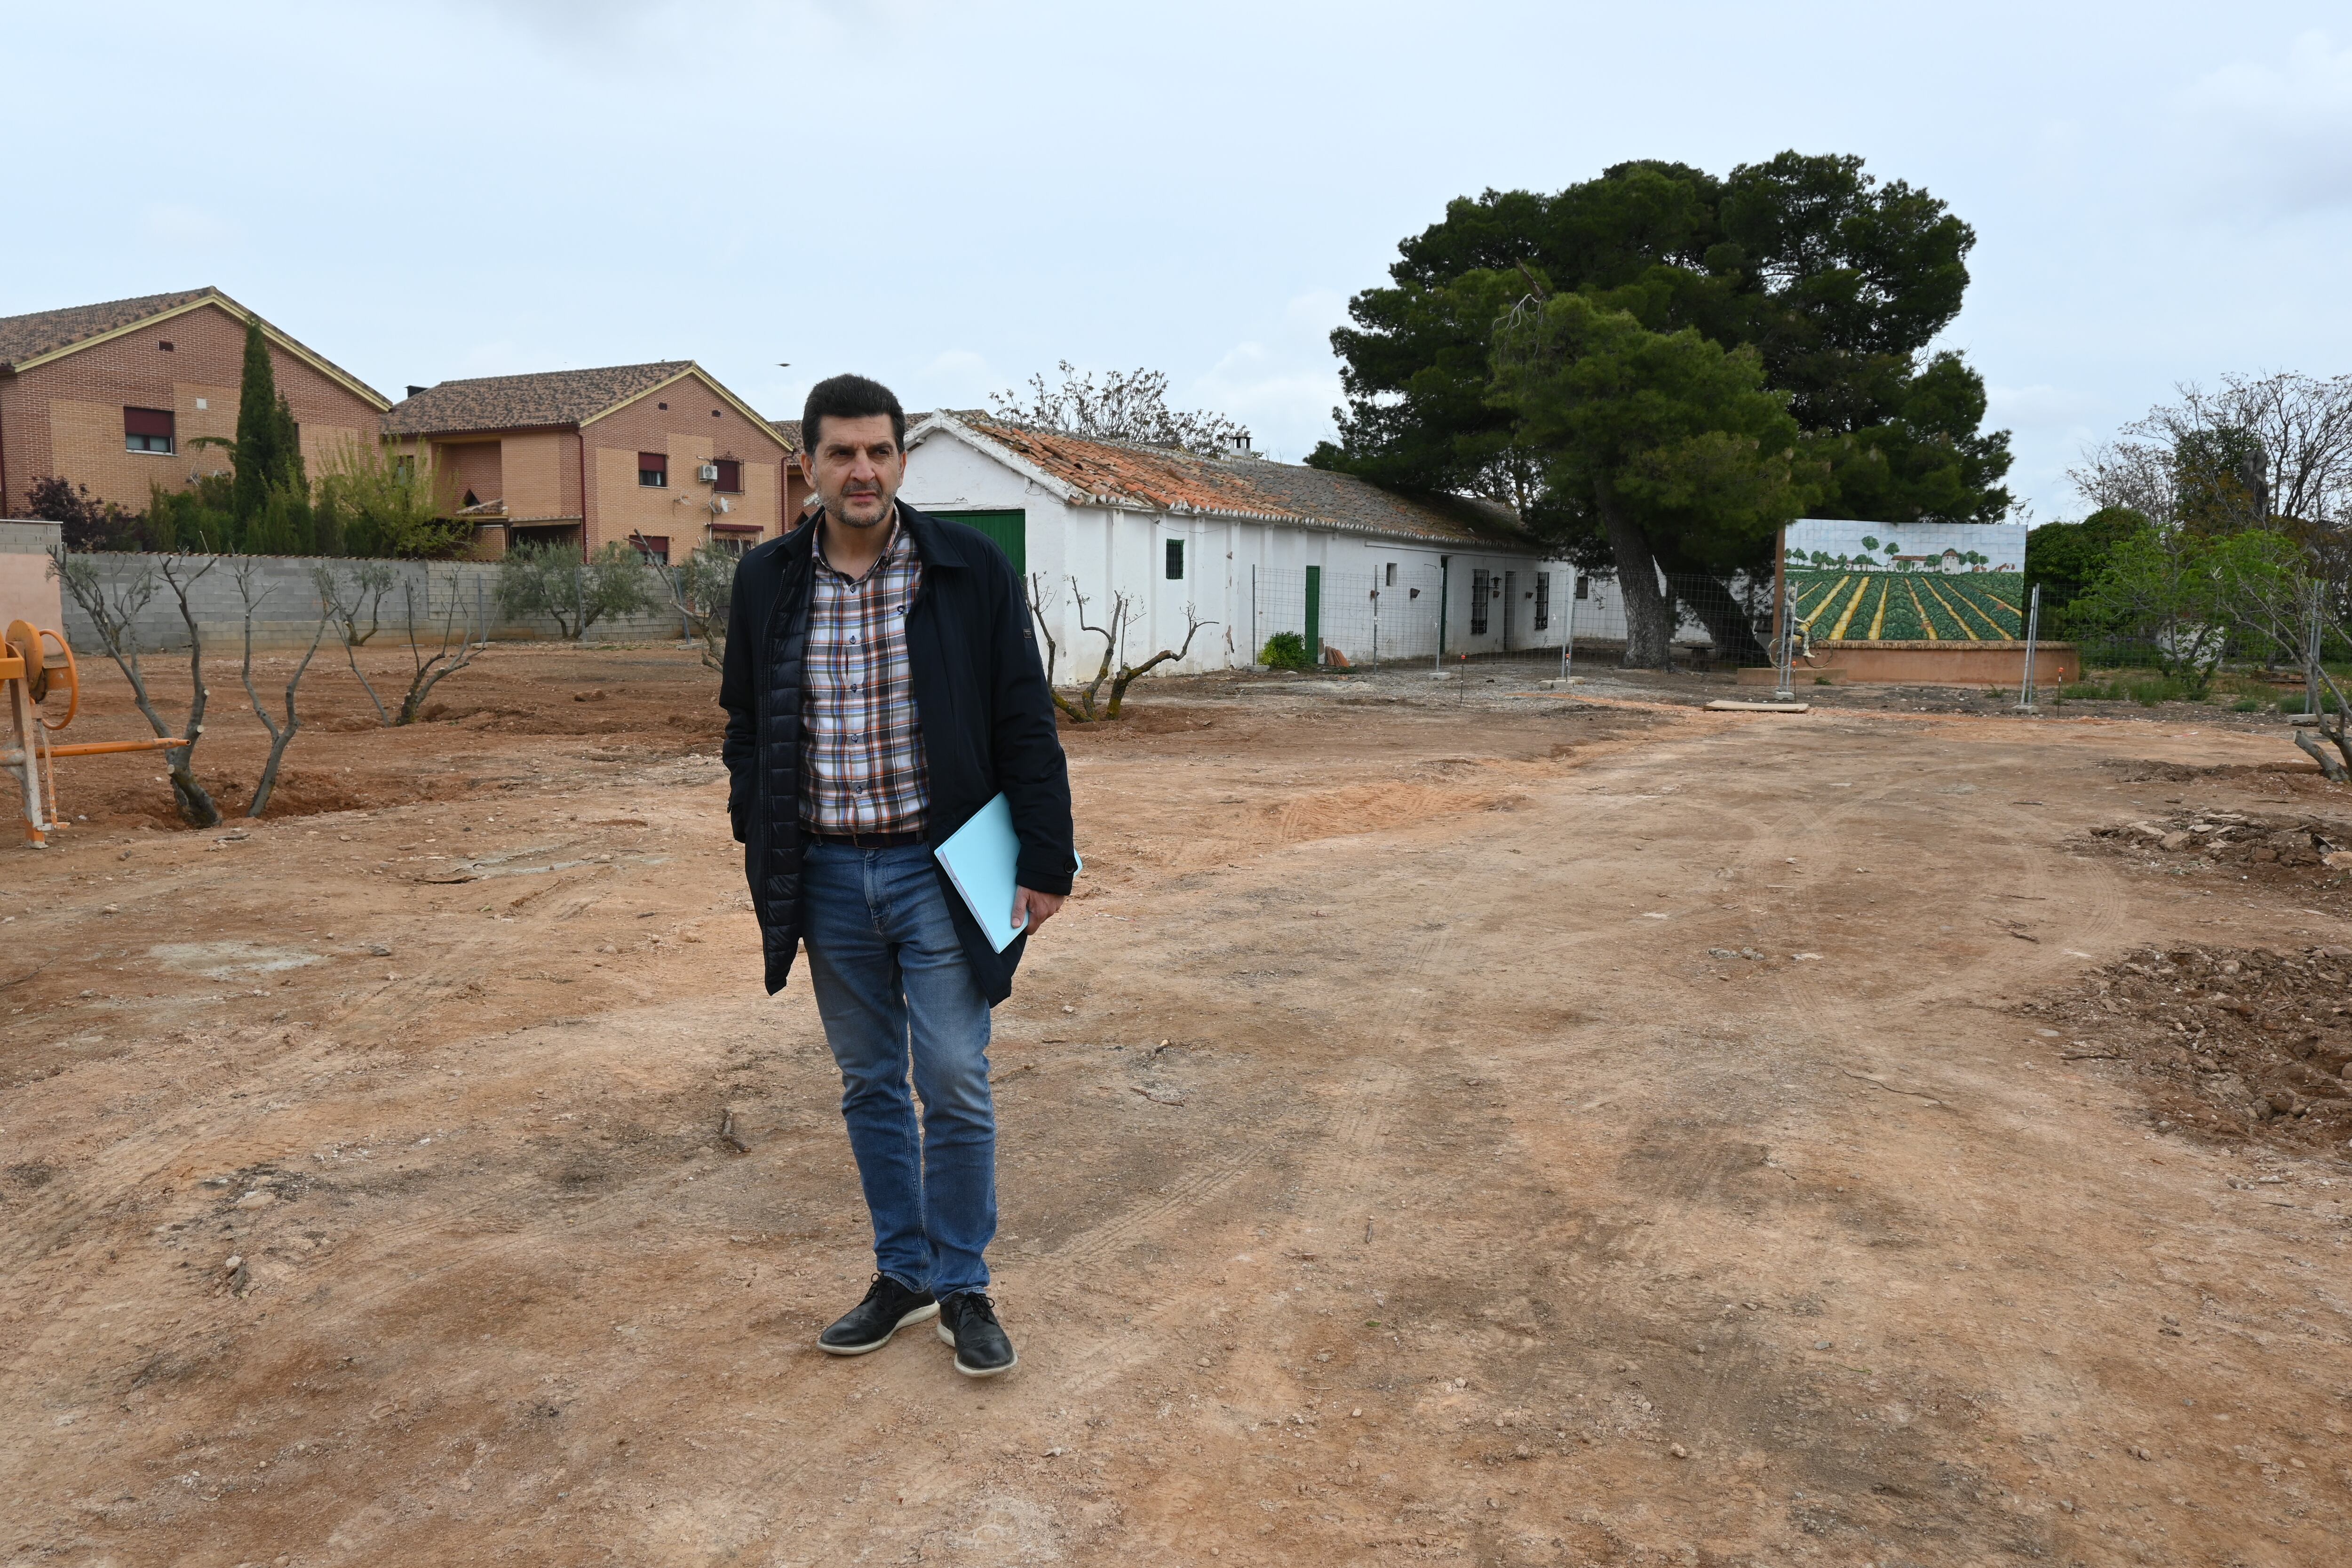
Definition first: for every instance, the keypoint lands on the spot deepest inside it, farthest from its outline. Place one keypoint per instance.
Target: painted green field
(1908, 606)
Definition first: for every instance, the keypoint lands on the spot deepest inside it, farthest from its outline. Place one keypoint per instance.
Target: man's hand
(1032, 908)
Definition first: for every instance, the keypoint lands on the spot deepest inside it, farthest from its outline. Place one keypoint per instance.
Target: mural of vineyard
(1836, 604)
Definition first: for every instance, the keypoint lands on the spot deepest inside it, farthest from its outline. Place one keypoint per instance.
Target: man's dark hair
(849, 397)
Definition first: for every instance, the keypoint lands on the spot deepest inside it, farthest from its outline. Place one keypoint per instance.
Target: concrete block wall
(288, 604)
(27, 592)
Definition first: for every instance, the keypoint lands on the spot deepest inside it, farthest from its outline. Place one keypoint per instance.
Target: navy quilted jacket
(987, 721)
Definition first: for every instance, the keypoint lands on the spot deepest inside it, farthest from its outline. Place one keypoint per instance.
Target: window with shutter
(147, 430)
(730, 475)
(653, 470)
(1175, 561)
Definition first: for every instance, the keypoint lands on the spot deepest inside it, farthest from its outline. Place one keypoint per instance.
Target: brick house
(659, 455)
(799, 494)
(113, 396)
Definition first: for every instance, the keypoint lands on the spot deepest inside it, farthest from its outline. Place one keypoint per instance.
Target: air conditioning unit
(707, 473)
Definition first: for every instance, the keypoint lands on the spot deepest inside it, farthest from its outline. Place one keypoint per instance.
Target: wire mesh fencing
(1381, 616)
(1400, 614)
(1689, 621)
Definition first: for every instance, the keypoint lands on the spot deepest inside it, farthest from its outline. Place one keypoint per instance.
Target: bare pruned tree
(113, 608)
(1128, 405)
(247, 570)
(699, 589)
(346, 599)
(2286, 438)
(457, 648)
(1043, 598)
(1089, 706)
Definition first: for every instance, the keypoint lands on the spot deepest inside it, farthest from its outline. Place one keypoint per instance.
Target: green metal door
(1315, 614)
(1008, 529)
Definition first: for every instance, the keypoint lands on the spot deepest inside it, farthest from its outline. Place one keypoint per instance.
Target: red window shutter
(730, 475)
(653, 462)
(146, 422)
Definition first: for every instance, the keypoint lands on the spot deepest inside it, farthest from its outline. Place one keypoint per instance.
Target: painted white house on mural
(1251, 548)
(1949, 547)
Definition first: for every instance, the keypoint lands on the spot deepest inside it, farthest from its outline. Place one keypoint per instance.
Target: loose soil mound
(2236, 1043)
(2299, 856)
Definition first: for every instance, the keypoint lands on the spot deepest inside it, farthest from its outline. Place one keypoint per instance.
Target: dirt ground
(1454, 1122)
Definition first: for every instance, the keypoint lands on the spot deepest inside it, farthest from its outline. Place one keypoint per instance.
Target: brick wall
(65, 418)
(688, 431)
(475, 466)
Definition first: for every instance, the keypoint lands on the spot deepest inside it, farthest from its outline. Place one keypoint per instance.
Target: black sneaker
(967, 1322)
(888, 1308)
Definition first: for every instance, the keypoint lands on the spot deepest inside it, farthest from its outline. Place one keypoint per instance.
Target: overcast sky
(952, 196)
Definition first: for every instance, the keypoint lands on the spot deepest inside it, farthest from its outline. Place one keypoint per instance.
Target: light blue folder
(981, 858)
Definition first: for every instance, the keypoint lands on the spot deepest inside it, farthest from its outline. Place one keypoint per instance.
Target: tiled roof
(29, 337)
(526, 402)
(1352, 502)
(788, 430)
(1160, 479)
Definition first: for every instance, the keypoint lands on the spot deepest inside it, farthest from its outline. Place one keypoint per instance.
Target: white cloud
(2281, 133)
(1284, 385)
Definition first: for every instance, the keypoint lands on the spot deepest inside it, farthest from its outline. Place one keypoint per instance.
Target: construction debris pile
(2234, 1042)
(2236, 838)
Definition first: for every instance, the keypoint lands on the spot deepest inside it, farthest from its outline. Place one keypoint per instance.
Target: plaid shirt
(862, 743)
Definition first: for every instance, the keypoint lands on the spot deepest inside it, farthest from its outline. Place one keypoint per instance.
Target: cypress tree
(268, 442)
(259, 428)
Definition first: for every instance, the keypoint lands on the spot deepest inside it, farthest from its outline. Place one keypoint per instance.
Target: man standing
(882, 685)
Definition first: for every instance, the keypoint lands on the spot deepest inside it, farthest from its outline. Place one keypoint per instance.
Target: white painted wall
(1247, 577)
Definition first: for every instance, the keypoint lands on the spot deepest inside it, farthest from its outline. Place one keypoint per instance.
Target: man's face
(855, 468)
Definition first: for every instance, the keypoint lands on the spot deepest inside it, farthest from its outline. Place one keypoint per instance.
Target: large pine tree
(1835, 283)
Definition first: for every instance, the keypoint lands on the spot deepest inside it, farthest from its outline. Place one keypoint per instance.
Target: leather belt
(867, 840)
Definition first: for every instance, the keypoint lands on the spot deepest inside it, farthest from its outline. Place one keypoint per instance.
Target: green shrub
(550, 580)
(1286, 650)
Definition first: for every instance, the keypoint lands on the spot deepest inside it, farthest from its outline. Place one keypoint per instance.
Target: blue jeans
(893, 987)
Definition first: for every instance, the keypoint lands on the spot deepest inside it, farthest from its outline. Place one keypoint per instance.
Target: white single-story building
(1250, 548)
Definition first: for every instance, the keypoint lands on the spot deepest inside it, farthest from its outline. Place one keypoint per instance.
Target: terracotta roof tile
(556, 397)
(1164, 478)
(29, 337)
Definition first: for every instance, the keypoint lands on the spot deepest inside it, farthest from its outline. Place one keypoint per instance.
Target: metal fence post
(2311, 661)
(2033, 634)
(1568, 631)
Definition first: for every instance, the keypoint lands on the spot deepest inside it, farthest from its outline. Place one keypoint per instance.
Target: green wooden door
(1314, 614)
(1008, 529)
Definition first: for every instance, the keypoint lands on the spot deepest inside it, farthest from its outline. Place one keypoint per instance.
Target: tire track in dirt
(1351, 1138)
(2007, 852)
